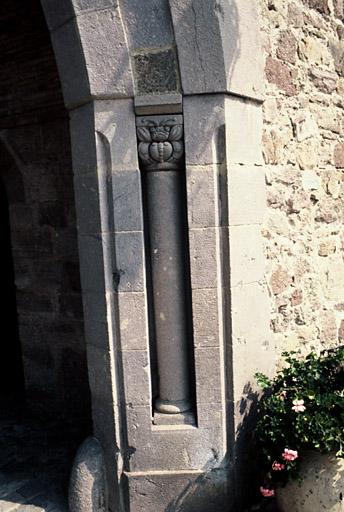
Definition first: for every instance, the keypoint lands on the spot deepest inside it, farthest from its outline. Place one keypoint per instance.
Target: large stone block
(129, 270)
(82, 130)
(205, 317)
(201, 196)
(170, 446)
(87, 202)
(194, 491)
(208, 375)
(247, 195)
(252, 345)
(156, 72)
(57, 13)
(244, 124)
(132, 321)
(127, 201)
(136, 377)
(203, 257)
(204, 121)
(97, 61)
(71, 65)
(148, 24)
(247, 263)
(218, 47)
(115, 125)
(91, 250)
(106, 53)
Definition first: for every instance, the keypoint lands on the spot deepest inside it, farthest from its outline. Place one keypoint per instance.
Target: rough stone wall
(36, 169)
(46, 269)
(303, 147)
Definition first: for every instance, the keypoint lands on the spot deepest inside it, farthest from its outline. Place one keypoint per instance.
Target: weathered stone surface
(207, 362)
(297, 298)
(201, 198)
(341, 332)
(204, 115)
(87, 200)
(99, 67)
(226, 61)
(87, 488)
(338, 8)
(156, 72)
(203, 490)
(137, 377)
(304, 126)
(205, 317)
(307, 154)
(280, 280)
(328, 327)
(246, 254)
(127, 201)
(250, 301)
(281, 75)
(116, 144)
(287, 46)
(133, 328)
(91, 254)
(320, 489)
(338, 155)
(310, 180)
(325, 81)
(327, 248)
(313, 50)
(148, 24)
(243, 131)
(246, 187)
(320, 5)
(337, 50)
(295, 15)
(129, 262)
(203, 258)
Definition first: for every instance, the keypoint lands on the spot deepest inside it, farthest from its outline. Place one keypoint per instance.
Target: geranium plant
(301, 409)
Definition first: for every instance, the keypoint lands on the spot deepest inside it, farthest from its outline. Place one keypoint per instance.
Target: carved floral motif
(160, 143)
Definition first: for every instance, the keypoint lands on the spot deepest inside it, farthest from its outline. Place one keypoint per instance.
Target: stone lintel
(151, 104)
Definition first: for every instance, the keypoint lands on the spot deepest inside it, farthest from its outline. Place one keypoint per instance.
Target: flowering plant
(301, 409)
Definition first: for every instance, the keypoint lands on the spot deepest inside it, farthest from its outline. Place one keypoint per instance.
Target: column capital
(160, 142)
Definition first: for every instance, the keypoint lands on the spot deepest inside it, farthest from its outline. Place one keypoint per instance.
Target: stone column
(161, 152)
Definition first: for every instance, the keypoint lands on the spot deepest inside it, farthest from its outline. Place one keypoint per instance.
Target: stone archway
(119, 61)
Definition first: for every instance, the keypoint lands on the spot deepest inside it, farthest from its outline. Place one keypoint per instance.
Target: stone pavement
(35, 460)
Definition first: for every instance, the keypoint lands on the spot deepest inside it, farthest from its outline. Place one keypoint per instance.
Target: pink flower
(290, 454)
(298, 406)
(277, 466)
(267, 493)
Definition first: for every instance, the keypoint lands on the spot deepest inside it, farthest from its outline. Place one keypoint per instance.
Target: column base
(172, 407)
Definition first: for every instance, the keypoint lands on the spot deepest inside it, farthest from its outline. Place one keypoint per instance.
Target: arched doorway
(44, 396)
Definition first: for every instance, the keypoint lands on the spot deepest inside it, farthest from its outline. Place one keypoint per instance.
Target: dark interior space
(11, 366)
(45, 410)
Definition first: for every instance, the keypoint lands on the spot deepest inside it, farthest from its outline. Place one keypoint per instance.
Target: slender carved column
(161, 151)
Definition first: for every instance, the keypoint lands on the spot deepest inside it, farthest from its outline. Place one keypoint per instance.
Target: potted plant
(300, 433)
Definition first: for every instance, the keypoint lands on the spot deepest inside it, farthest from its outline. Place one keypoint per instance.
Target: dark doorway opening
(42, 344)
(11, 366)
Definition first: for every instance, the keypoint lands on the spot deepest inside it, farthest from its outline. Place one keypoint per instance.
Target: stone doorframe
(200, 59)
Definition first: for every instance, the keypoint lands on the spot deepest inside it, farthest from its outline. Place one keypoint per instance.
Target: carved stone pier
(161, 151)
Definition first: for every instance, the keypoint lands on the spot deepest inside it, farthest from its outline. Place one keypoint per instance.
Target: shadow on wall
(212, 490)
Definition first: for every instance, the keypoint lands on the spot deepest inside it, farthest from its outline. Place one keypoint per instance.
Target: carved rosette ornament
(161, 144)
